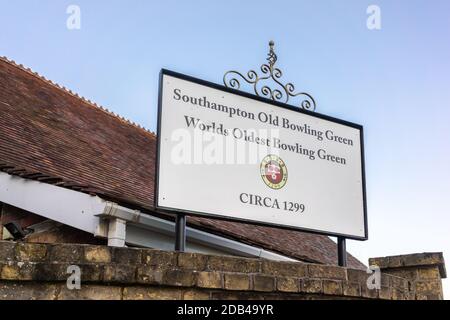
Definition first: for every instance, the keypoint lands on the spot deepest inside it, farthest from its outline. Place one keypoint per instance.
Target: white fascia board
(85, 212)
(73, 208)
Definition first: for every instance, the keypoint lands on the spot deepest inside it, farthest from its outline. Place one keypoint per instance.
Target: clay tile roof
(50, 134)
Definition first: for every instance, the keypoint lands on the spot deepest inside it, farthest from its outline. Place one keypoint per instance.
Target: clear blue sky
(395, 81)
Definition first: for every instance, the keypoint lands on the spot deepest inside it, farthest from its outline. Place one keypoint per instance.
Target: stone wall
(39, 271)
(423, 271)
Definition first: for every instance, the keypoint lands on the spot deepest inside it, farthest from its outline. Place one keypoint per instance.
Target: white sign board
(227, 154)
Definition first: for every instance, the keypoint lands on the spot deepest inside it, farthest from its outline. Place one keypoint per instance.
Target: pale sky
(395, 81)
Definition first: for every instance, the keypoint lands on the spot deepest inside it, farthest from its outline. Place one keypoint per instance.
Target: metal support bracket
(180, 233)
(342, 252)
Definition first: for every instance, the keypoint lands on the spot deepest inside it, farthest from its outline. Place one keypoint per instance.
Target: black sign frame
(272, 102)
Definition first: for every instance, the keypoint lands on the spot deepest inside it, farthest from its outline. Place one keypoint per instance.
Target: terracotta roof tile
(50, 134)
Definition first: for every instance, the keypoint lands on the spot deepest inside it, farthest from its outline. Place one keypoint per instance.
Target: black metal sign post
(180, 232)
(342, 252)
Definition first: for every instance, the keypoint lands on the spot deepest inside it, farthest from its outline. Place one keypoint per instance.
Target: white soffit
(63, 205)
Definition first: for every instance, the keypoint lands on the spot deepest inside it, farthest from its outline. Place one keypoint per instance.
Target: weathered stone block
(31, 252)
(428, 287)
(421, 259)
(7, 251)
(122, 273)
(395, 261)
(351, 289)
(211, 279)
(381, 262)
(399, 295)
(421, 297)
(286, 269)
(97, 254)
(431, 273)
(161, 259)
(355, 275)
(225, 295)
(235, 295)
(387, 262)
(385, 293)
(66, 253)
(50, 272)
(385, 279)
(429, 297)
(9, 271)
(288, 284)
(233, 281)
(327, 272)
(192, 261)
(151, 293)
(411, 260)
(263, 283)
(149, 275)
(17, 271)
(369, 293)
(27, 291)
(398, 283)
(126, 256)
(26, 271)
(233, 264)
(183, 278)
(332, 287)
(90, 292)
(195, 295)
(91, 272)
(311, 286)
(406, 273)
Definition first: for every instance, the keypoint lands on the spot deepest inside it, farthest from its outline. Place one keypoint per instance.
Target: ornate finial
(269, 71)
(272, 56)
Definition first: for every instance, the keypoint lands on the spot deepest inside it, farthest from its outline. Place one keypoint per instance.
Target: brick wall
(39, 271)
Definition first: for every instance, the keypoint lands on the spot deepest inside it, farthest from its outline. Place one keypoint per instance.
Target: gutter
(113, 211)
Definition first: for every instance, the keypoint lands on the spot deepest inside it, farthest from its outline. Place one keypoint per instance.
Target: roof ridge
(76, 95)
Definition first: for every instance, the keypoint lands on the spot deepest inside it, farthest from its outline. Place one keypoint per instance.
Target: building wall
(39, 271)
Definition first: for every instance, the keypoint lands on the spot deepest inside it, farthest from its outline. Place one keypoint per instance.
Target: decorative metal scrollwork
(269, 71)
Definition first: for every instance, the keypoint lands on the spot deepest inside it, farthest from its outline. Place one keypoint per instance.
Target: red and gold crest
(274, 172)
